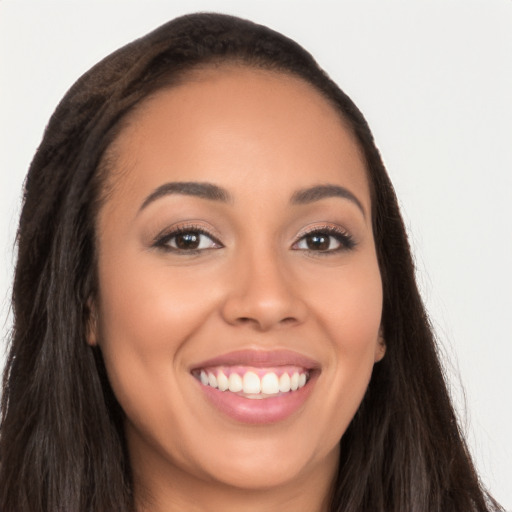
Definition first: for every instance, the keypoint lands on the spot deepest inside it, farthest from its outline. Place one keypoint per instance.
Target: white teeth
(251, 383)
(235, 383)
(222, 381)
(294, 381)
(212, 380)
(270, 384)
(284, 383)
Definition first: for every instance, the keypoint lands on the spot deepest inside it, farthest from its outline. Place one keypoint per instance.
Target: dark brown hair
(62, 445)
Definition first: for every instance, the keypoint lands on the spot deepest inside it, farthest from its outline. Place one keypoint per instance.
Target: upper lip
(260, 359)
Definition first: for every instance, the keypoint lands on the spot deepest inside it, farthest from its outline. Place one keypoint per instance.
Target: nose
(263, 294)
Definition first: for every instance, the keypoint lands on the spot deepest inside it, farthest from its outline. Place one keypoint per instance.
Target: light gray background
(434, 79)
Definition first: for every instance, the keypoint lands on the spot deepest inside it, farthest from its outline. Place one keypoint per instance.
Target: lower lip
(258, 411)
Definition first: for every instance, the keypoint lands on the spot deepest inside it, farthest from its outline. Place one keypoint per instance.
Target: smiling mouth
(257, 387)
(254, 382)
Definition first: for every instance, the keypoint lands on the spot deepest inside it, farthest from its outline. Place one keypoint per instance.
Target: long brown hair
(62, 445)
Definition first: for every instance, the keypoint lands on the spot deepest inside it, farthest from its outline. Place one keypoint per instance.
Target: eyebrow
(188, 188)
(318, 192)
(215, 193)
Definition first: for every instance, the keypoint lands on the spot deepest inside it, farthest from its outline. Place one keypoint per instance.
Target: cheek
(348, 308)
(147, 312)
(355, 327)
(348, 303)
(153, 305)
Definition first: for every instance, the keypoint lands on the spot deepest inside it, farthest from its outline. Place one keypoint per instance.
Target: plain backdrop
(434, 79)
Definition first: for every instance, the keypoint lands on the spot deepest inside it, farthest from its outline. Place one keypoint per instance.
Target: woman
(214, 299)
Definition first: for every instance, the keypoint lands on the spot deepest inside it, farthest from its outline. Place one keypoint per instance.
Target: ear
(92, 323)
(380, 348)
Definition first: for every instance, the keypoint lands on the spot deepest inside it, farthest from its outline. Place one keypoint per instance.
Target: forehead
(222, 122)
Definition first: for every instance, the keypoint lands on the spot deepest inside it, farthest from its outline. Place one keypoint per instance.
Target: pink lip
(260, 359)
(266, 410)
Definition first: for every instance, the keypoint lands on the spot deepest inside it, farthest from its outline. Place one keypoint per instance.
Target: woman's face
(240, 296)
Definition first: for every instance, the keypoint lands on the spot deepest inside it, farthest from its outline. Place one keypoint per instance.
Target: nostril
(244, 320)
(263, 307)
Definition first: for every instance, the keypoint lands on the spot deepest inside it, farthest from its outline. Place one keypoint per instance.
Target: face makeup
(240, 297)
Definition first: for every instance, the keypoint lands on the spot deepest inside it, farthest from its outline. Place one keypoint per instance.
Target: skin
(261, 136)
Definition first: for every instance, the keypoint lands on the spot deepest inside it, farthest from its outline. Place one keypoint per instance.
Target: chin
(271, 462)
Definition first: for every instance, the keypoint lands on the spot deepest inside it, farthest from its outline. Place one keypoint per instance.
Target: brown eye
(188, 241)
(319, 242)
(325, 240)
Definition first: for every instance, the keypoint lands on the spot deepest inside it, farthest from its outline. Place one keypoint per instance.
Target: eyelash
(345, 240)
(163, 239)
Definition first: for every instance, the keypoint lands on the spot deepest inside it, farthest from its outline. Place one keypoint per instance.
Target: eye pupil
(187, 240)
(318, 242)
